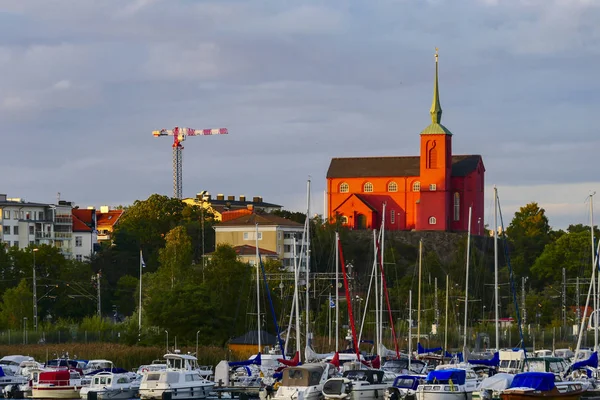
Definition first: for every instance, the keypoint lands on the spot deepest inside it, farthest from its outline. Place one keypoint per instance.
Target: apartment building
(25, 223)
(275, 236)
(221, 203)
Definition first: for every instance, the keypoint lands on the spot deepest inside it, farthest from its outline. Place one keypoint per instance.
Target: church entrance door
(361, 221)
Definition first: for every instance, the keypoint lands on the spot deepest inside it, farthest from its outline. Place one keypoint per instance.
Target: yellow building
(106, 219)
(222, 203)
(275, 236)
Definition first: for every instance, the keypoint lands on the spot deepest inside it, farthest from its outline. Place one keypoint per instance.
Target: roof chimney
(220, 196)
(256, 199)
(230, 198)
(2, 197)
(104, 209)
(242, 197)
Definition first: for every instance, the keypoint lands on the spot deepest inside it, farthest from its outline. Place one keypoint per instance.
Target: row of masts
(378, 280)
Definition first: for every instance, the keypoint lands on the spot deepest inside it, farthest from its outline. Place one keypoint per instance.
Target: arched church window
(433, 158)
(344, 219)
(432, 221)
(344, 187)
(392, 187)
(368, 187)
(417, 186)
(456, 206)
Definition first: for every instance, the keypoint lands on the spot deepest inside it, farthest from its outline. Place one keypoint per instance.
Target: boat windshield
(401, 366)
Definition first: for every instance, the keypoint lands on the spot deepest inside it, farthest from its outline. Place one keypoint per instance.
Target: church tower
(434, 204)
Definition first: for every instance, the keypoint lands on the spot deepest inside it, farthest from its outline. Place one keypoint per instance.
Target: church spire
(436, 108)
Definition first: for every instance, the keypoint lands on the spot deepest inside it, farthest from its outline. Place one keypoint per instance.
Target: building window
(22, 214)
(392, 216)
(16, 243)
(279, 235)
(259, 235)
(31, 230)
(15, 230)
(27, 215)
(78, 241)
(41, 215)
(344, 188)
(7, 214)
(432, 221)
(7, 229)
(279, 249)
(246, 236)
(392, 187)
(287, 248)
(456, 206)
(417, 186)
(368, 187)
(344, 219)
(432, 187)
(79, 257)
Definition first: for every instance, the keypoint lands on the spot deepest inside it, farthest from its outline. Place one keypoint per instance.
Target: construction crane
(179, 135)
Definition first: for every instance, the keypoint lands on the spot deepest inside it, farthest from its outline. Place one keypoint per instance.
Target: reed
(123, 356)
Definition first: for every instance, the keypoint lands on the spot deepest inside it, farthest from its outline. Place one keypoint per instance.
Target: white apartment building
(25, 223)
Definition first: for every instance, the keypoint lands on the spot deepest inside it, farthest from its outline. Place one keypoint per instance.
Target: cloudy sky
(85, 82)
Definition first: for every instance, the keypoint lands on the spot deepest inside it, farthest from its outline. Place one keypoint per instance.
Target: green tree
(176, 257)
(571, 251)
(529, 233)
(17, 303)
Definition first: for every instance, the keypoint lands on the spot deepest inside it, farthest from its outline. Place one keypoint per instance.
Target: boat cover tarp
(459, 356)
(497, 382)
(493, 362)
(422, 350)
(590, 362)
(457, 376)
(406, 382)
(290, 363)
(1, 372)
(254, 361)
(542, 381)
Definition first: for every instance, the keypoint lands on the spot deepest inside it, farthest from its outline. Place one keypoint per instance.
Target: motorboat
(400, 366)
(357, 384)
(23, 381)
(448, 383)
(304, 382)
(180, 380)
(57, 384)
(95, 365)
(492, 386)
(541, 385)
(404, 387)
(511, 362)
(10, 364)
(110, 386)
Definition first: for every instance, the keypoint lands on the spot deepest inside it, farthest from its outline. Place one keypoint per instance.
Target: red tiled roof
(247, 250)
(260, 219)
(83, 220)
(109, 218)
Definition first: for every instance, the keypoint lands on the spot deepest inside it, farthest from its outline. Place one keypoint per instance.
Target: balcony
(43, 235)
(63, 220)
(63, 235)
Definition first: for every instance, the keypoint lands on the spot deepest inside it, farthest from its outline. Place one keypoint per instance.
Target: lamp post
(167, 332)
(197, 343)
(24, 330)
(35, 312)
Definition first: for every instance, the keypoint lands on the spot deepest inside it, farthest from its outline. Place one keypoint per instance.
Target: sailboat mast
(446, 318)
(377, 319)
(496, 308)
(296, 296)
(307, 239)
(467, 281)
(596, 289)
(419, 292)
(257, 290)
(381, 292)
(337, 292)
(409, 327)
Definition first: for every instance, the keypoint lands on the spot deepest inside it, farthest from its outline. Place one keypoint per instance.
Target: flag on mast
(142, 263)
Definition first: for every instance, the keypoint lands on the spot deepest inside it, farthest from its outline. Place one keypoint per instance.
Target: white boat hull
(297, 393)
(67, 392)
(110, 394)
(422, 395)
(195, 392)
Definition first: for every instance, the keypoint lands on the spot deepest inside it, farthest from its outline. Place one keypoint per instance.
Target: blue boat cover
(493, 362)
(1, 372)
(255, 361)
(421, 349)
(457, 376)
(542, 381)
(406, 382)
(590, 362)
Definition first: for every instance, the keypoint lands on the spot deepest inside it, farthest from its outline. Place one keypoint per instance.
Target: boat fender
(144, 369)
(576, 374)
(451, 385)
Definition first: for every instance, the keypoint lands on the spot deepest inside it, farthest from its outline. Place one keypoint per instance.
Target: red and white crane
(179, 135)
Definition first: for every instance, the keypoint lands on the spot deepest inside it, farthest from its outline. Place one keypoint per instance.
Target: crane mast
(179, 135)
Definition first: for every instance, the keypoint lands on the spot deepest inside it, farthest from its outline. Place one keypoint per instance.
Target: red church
(432, 191)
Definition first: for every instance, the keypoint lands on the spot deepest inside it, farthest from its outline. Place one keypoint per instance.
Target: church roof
(373, 201)
(436, 129)
(462, 165)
